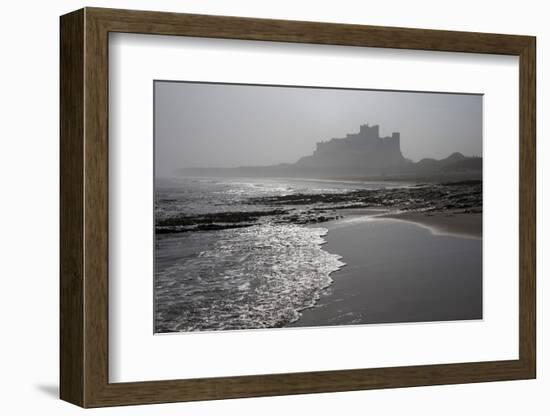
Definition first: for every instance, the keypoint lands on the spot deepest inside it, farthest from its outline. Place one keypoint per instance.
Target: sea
(217, 268)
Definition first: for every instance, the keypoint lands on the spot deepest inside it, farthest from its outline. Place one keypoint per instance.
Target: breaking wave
(256, 277)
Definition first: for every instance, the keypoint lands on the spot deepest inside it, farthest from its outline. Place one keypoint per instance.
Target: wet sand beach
(401, 271)
(448, 222)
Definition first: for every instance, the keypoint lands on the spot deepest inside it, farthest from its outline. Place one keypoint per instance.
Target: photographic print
(291, 206)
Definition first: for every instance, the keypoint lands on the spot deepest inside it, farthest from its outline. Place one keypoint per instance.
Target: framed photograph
(255, 207)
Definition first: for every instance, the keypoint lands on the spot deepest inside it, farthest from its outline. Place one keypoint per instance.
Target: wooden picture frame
(84, 207)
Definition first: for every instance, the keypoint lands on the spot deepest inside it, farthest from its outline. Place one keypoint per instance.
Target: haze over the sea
(223, 125)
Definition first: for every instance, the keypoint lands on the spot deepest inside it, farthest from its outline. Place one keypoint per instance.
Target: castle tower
(396, 140)
(371, 132)
(375, 132)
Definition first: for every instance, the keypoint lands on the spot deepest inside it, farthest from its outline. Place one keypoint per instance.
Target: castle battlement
(368, 136)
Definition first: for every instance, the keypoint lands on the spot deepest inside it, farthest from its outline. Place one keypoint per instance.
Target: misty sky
(220, 125)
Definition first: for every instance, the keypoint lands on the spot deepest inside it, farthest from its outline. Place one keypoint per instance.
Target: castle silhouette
(365, 148)
(362, 154)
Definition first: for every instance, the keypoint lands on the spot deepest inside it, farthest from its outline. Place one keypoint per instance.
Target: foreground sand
(397, 271)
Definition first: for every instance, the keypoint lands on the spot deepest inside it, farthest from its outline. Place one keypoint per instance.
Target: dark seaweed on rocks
(212, 221)
(430, 197)
(219, 217)
(303, 209)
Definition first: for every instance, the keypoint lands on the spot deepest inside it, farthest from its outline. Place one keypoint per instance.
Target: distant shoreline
(247, 173)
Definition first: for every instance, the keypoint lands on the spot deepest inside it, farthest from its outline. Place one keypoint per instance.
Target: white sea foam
(256, 277)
